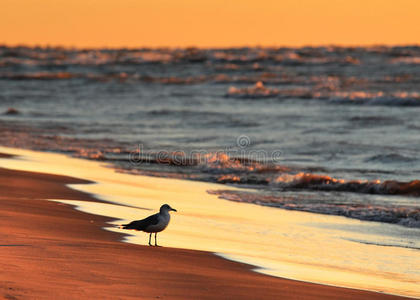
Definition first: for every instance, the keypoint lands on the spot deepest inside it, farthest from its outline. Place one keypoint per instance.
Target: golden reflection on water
(290, 244)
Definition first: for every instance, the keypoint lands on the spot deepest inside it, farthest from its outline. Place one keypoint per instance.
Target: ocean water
(327, 130)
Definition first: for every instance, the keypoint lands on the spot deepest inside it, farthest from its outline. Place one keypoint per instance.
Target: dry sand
(49, 250)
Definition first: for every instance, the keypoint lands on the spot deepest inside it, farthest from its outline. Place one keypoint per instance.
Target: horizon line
(256, 46)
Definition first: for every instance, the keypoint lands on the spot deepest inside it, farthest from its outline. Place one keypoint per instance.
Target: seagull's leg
(150, 237)
(155, 239)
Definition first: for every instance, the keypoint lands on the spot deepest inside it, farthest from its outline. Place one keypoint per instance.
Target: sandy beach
(49, 251)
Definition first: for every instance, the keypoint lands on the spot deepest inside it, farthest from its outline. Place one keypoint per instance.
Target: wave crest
(327, 183)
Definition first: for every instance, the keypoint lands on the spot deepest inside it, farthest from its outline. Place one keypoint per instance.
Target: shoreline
(200, 265)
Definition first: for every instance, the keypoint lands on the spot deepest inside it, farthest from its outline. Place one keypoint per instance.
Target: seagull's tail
(132, 225)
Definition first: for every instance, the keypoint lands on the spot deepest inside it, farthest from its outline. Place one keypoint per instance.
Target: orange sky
(204, 23)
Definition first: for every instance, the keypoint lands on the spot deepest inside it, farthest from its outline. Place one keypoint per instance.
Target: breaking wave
(311, 181)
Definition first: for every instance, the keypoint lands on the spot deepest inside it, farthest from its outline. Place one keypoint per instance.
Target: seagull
(152, 224)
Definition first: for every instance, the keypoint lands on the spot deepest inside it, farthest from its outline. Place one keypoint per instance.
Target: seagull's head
(166, 208)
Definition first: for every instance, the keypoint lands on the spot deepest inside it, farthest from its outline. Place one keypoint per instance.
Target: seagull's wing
(142, 224)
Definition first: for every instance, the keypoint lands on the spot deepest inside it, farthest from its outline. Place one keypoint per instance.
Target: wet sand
(49, 250)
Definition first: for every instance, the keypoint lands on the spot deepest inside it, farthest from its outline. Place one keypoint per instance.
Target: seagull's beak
(173, 209)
